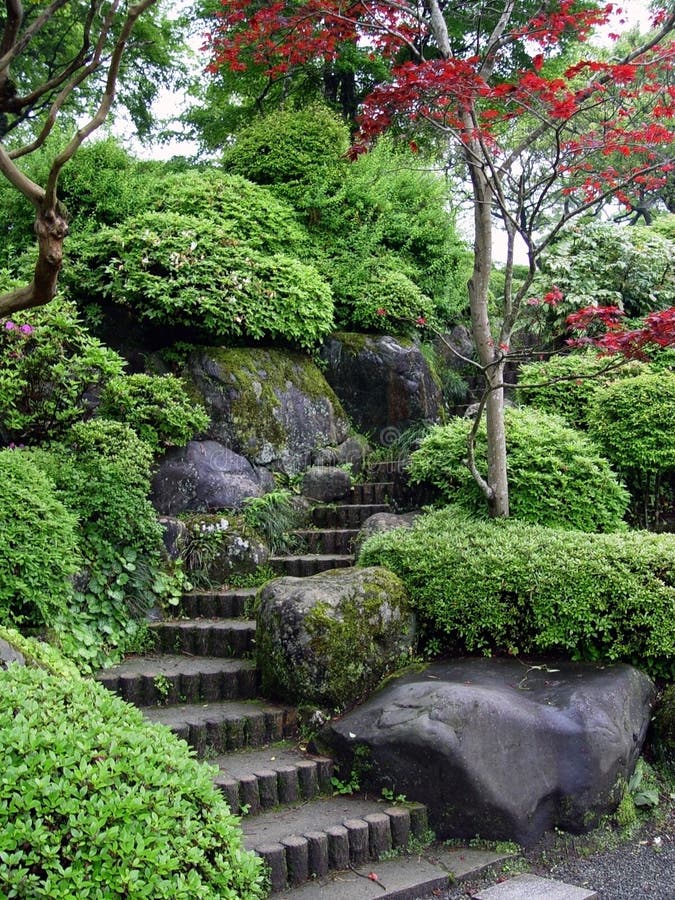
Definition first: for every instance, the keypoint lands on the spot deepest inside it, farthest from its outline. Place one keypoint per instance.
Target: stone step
(327, 540)
(205, 637)
(161, 680)
(309, 840)
(256, 780)
(426, 872)
(213, 728)
(226, 604)
(310, 564)
(372, 492)
(351, 515)
(533, 887)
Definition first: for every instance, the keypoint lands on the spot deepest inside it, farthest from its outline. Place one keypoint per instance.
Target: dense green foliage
(38, 545)
(96, 802)
(249, 214)
(39, 653)
(609, 265)
(567, 385)
(506, 586)
(102, 473)
(157, 408)
(557, 476)
(50, 368)
(184, 271)
(292, 151)
(632, 420)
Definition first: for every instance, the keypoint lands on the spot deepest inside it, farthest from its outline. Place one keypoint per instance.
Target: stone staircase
(201, 682)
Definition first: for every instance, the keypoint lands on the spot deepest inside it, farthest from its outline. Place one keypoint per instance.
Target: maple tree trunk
(495, 487)
(51, 228)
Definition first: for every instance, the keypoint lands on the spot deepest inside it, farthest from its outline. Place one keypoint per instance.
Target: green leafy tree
(54, 61)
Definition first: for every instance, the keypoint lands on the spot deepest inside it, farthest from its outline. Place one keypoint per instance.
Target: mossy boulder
(330, 639)
(274, 407)
(385, 383)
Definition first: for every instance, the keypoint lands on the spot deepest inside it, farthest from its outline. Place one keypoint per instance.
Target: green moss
(258, 378)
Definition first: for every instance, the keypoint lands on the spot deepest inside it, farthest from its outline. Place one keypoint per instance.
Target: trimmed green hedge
(505, 586)
(95, 802)
(557, 476)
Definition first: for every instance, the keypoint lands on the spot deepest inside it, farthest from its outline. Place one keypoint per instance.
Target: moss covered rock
(271, 406)
(330, 639)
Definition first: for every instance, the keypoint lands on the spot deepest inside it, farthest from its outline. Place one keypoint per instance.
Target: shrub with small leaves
(101, 471)
(566, 385)
(506, 586)
(38, 545)
(158, 408)
(51, 370)
(185, 271)
(557, 476)
(96, 802)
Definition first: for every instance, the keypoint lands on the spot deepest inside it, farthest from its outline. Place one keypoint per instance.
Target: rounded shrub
(632, 420)
(96, 802)
(249, 213)
(557, 476)
(289, 146)
(567, 385)
(387, 301)
(506, 586)
(179, 270)
(38, 545)
(158, 408)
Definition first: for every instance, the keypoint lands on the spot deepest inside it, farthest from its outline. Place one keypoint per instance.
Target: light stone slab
(533, 887)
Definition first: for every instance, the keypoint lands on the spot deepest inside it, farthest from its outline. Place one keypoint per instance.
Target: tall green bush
(101, 471)
(183, 271)
(96, 802)
(557, 476)
(632, 420)
(38, 545)
(506, 586)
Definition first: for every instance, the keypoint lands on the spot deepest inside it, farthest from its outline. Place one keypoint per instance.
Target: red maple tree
(540, 141)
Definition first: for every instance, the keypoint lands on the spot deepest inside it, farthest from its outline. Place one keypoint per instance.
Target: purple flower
(26, 329)
(9, 325)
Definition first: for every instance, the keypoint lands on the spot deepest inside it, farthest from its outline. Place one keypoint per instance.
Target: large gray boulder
(378, 523)
(328, 640)
(9, 654)
(205, 476)
(499, 748)
(274, 407)
(326, 484)
(384, 383)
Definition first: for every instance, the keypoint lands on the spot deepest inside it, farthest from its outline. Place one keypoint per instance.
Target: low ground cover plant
(95, 802)
(557, 476)
(510, 587)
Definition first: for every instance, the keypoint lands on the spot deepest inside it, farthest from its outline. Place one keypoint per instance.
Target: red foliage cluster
(657, 330)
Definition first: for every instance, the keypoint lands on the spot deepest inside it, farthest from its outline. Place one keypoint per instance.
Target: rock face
(384, 383)
(500, 749)
(9, 654)
(353, 452)
(330, 639)
(271, 406)
(326, 483)
(380, 522)
(204, 477)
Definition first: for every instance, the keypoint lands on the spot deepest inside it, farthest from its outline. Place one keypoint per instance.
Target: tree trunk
(51, 229)
(496, 487)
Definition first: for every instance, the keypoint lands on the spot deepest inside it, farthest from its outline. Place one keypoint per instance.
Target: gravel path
(643, 867)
